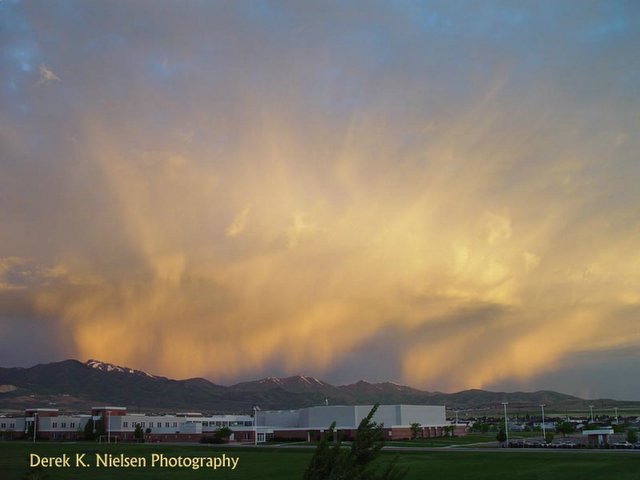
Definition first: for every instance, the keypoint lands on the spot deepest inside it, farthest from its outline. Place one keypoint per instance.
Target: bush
(211, 439)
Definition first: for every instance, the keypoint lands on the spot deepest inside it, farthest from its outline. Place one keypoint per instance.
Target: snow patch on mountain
(109, 367)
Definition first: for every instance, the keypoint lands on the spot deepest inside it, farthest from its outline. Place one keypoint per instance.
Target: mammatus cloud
(313, 193)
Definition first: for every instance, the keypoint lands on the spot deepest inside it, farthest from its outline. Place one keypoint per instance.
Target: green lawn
(445, 441)
(273, 463)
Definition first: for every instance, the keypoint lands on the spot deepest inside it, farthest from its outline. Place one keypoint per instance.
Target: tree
(549, 437)
(564, 428)
(480, 427)
(337, 463)
(138, 433)
(88, 431)
(620, 427)
(93, 429)
(415, 430)
(632, 436)
(501, 436)
(222, 434)
(330, 463)
(449, 430)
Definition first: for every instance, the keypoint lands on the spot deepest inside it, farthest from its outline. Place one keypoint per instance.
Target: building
(12, 427)
(120, 425)
(598, 437)
(303, 424)
(310, 423)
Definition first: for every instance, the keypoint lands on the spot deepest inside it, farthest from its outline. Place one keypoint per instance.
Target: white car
(623, 444)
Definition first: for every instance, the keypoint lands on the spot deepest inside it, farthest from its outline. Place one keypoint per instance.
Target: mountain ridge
(72, 384)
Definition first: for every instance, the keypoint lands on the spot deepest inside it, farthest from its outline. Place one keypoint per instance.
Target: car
(622, 444)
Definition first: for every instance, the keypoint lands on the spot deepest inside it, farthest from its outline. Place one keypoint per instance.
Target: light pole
(255, 425)
(616, 409)
(108, 426)
(35, 422)
(591, 409)
(506, 426)
(544, 431)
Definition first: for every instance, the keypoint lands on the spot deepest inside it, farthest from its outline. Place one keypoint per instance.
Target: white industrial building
(310, 423)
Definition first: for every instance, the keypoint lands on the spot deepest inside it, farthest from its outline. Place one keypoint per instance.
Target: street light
(255, 425)
(506, 426)
(35, 421)
(544, 432)
(616, 409)
(591, 409)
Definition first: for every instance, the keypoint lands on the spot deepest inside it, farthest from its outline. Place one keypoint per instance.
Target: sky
(439, 194)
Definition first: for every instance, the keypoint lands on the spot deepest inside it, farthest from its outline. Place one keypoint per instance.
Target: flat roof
(599, 431)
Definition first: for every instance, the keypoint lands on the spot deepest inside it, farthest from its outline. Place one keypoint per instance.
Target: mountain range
(76, 386)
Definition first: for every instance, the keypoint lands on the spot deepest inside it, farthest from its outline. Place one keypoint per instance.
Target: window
(166, 424)
(54, 425)
(3, 425)
(175, 424)
(125, 424)
(159, 424)
(12, 425)
(72, 424)
(142, 424)
(64, 424)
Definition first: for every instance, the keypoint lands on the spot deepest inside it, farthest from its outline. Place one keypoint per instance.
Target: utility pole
(506, 425)
(591, 409)
(544, 431)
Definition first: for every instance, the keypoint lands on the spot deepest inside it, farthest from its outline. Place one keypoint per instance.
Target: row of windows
(63, 425)
(158, 424)
(226, 424)
(4, 425)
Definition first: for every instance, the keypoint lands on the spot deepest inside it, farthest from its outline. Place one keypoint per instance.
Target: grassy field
(446, 441)
(273, 463)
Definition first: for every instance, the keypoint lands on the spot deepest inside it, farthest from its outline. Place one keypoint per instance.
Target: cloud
(238, 225)
(324, 191)
(46, 76)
